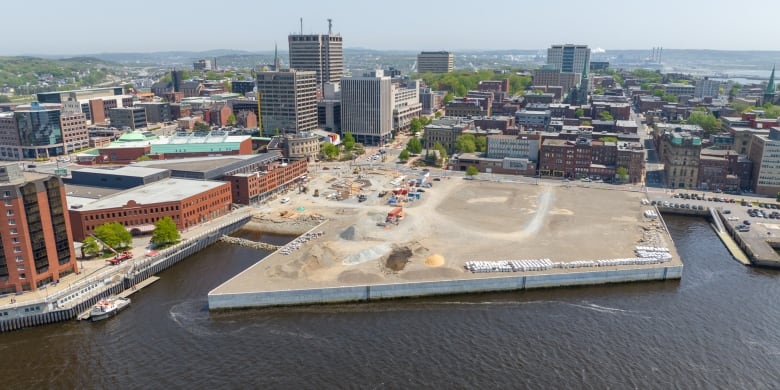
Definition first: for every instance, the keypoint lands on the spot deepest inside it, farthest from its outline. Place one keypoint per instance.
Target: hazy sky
(90, 26)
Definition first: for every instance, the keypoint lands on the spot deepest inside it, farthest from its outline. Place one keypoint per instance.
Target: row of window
(120, 214)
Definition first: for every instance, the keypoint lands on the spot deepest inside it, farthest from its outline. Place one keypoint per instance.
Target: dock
(124, 294)
(756, 246)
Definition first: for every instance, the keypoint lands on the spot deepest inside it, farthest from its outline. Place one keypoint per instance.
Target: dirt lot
(455, 221)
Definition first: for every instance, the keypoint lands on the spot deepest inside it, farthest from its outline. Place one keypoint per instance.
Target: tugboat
(108, 307)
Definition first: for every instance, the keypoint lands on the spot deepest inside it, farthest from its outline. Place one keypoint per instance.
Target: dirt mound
(358, 277)
(435, 260)
(398, 259)
(348, 233)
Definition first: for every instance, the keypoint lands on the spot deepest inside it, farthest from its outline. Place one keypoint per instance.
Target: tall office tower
(288, 100)
(367, 108)
(36, 243)
(569, 58)
(435, 62)
(40, 132)
(321, 53)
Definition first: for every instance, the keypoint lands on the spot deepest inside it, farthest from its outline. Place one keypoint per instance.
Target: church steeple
(584, 87)
(770, 93)
(277, 64)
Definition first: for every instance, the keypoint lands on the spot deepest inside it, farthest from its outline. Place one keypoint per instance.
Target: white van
(285, 200)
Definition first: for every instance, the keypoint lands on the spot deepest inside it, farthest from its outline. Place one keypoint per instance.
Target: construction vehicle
(118, 257)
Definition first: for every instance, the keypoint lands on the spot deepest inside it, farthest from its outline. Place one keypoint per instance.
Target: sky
(90, 26)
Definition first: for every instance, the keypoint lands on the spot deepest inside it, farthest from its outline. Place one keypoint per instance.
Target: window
(9, 213)
(6, 194)
(8, 202)
(12, 222)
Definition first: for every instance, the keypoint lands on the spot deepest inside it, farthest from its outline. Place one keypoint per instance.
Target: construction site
(424, 229)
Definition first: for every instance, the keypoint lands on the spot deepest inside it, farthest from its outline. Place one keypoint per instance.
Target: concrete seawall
(446, 287)
(86, 294)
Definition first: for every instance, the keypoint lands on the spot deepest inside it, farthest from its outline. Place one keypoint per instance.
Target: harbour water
(716, 328)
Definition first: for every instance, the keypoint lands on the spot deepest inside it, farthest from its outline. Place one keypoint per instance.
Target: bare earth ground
(455, 221)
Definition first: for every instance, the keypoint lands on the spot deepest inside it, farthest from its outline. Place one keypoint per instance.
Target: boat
(108, 307)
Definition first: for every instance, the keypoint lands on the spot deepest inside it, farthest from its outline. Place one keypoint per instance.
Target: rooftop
(169, 190)
(130, 170)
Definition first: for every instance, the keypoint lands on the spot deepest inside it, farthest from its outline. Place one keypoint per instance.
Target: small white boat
(108, 307)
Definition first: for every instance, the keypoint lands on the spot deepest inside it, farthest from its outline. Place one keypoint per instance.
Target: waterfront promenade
(74, 293)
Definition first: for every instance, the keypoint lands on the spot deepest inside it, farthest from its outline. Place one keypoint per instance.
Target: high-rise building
(764, 152)
(156, 112)
(10, 144)
(406, 104)
(321, 53)
(329, 108)
(128, 117)
(707, 88)
(435, 62)
(288, 100)
(569, 58)
(75, 135)
(367, 108)
(36, 243)
(40, 133)
(681, 152)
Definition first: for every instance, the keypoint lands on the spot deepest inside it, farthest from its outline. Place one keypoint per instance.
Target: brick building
(75, 135)
(723, 169)
(36, 244)
(255, 187)
(188, 202)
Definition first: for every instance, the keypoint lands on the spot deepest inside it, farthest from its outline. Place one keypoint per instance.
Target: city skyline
(613, 25)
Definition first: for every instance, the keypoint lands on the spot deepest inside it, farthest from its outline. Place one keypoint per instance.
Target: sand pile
(435, 260)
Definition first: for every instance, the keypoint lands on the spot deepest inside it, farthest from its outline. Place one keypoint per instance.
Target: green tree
(211, 75)
(706, 120)
(442, 151)
(585, 123)
(608, 139)
(232, 119)
(227, 85)
(114, 235)
(165, 232)
(143, 158)
(89, 247)
(669, 98)
(598, 91)
(414, 146)
(348, 140)
(465, 143)
(5, 99)
(415, 126)
(404, 155)
(437, 114)
(606, 116)
(359, 149)
(579, 112)
(471, 171)
(201, 126)
(481, 143)
(329, 150)
(448, 97)
(622, 174)
(128, 86)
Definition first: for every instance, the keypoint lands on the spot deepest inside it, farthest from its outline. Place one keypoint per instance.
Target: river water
(716, 328)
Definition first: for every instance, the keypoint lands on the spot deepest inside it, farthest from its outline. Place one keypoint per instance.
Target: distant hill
(39, 74)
